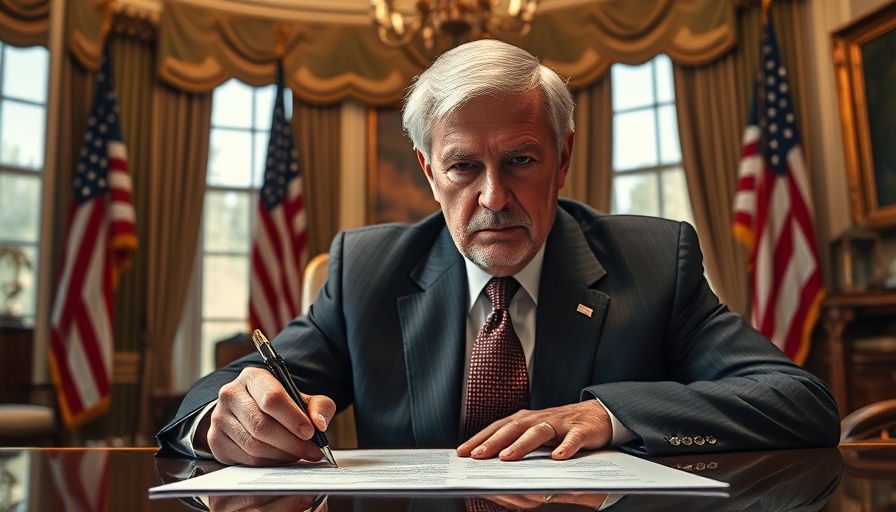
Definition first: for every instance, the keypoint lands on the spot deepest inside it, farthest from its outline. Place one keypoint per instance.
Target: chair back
(232, 348)
(313, 280)
(875, 421)
(341, 431)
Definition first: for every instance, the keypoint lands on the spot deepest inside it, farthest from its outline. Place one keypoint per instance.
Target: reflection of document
(441, 471)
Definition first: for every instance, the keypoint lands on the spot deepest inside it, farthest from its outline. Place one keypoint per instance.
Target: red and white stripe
(279, 255)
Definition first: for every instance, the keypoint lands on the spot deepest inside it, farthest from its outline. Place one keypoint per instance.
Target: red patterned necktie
(498, 383)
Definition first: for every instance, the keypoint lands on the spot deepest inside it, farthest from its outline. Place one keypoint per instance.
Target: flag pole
(281, 33)
(761, 117)
(108, 7)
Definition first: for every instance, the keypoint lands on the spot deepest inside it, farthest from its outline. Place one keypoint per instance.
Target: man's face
(495, 171)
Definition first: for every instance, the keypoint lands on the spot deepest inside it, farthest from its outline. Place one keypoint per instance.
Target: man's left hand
(582, 426)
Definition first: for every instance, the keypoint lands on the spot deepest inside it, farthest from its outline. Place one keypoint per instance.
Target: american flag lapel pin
(585, 310)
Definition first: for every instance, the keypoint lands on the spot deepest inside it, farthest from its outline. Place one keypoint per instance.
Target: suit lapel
(569, 318)
(433, 328)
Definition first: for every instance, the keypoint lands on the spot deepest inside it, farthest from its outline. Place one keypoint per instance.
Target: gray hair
(482, 68)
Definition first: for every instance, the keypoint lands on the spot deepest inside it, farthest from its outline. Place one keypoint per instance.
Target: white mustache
(487, 219)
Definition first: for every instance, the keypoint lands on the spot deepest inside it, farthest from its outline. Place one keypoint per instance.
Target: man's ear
(427, 170)
(565, 157)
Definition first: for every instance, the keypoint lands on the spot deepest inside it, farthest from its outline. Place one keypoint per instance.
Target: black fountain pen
(275, 364)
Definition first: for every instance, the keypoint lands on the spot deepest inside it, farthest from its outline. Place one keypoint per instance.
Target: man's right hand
(256, 423)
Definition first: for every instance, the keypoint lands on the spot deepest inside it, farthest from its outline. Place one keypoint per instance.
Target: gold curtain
(180, 133)
(25, 22)
(317, 130)
(711, 123)
(201, 47)
(132, 64)
(591, 168)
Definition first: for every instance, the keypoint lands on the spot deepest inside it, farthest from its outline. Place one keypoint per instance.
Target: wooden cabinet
(861, 331)
(16, 348)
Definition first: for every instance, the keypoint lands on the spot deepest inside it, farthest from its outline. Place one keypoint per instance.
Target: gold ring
(548, 498)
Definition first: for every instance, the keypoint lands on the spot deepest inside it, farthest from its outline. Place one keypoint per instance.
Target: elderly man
(510, 320)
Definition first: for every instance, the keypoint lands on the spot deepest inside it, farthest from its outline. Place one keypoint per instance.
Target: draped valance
(201, 46)
(25, 22)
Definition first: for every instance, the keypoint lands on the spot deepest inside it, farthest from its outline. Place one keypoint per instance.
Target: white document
(441, 471)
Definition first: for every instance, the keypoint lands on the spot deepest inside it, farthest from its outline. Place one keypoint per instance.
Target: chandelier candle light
(459, 21)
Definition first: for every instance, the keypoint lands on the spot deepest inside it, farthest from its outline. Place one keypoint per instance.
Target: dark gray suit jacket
(680, 370)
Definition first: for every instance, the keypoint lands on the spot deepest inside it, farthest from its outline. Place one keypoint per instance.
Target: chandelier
(458, 21)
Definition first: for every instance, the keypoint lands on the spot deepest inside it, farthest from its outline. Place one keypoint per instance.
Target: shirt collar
(528, 277)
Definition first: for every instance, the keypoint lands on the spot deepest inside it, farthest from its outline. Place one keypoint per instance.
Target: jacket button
(710, 440)
(698, 440)
(674, 441)
(687, 441)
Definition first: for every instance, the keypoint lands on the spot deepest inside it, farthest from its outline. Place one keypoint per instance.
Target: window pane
(634, 140)
(20, 200)
(213, 332)
(264, 107)
(232, 105)
(230, 158)
(226, 222)
(225, 287)
(25, 73)
(665, 86)
(632, 86)
(670, 147)
(22, 130)
(676, 201)
(636, 193)
(261, 155)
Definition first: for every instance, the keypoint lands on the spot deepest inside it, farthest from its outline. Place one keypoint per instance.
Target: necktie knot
(500, 290)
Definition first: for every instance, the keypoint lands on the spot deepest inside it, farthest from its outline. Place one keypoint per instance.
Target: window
(241, 123)
(23, 113)
(648, 178)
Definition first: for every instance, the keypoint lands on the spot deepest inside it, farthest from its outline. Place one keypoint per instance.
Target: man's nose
(495, 193)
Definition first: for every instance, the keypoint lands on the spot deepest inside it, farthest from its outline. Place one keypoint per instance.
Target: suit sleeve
(312, 346)
(726, 386)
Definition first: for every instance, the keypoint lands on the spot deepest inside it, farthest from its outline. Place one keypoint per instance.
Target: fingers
(267, 503)
(573, 427)
(514, 440)
(321, 410)
(256, 422)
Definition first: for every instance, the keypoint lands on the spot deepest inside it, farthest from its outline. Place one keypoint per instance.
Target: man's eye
(521, 160)
(461, 172)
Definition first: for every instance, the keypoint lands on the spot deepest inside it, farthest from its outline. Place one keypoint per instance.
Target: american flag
(79, 480)
(773, 213)
(100, 241)
(279, 251)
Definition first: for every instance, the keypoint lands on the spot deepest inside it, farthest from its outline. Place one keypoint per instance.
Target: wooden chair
(341, 431)
(31, 424)
(874, 422)
(28, 413)
(230, 349)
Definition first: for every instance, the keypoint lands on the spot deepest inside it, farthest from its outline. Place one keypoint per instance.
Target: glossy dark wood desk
(849, 478)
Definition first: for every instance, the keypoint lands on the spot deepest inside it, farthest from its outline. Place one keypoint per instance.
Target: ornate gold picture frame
(865, 66)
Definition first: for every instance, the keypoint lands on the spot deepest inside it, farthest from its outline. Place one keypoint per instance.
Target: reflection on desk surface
(845, 479)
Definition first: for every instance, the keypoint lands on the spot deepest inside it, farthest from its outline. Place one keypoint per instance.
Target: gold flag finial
(281, 32)
(108, 7)
(764, 7)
